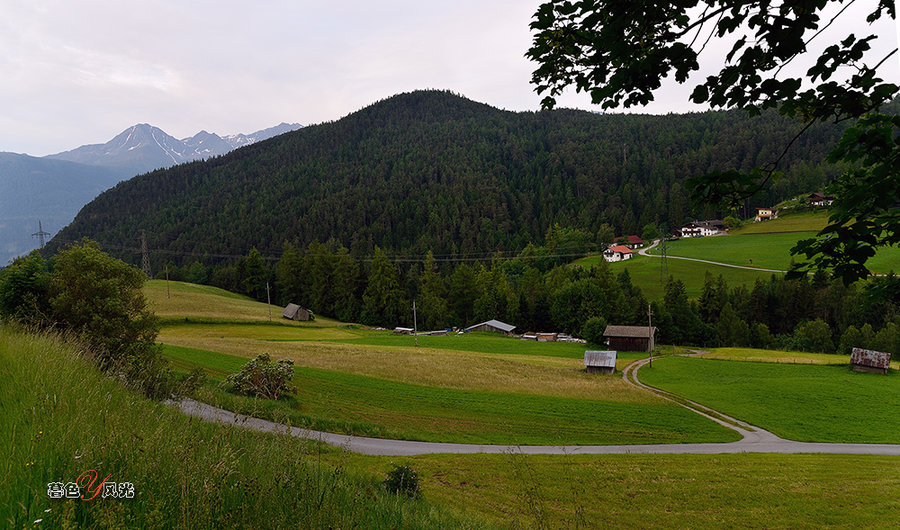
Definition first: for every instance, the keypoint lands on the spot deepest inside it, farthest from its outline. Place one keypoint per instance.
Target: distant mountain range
(52, 189)
(143, 148)
(430, 170)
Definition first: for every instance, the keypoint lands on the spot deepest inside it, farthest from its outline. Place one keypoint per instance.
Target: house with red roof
(631, 242)
(617, 253)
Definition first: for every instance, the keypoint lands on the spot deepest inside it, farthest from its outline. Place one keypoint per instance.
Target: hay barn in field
(630, 338)
(870, 361)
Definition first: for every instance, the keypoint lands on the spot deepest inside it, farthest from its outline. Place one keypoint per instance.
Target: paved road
(755, 440)
(643, 252)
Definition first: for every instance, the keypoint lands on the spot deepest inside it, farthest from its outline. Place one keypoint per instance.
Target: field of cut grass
(609, 413)
(804, 402)
(482, 342)
(644, 273)
(62, 418)
(664, 491)
(532, 373)
(776, 356)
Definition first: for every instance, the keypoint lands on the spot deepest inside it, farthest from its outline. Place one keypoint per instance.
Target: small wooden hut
(870, 361)
(603, 362)
(295, 312)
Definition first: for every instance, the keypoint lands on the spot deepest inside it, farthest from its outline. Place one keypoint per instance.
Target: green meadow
(804, 402)
(188, 473)
(66, 418)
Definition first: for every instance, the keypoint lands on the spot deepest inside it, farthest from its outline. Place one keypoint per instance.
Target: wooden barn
(295, 312)
(494, 326)
(603, 362)
(870, 361)
(630, 338)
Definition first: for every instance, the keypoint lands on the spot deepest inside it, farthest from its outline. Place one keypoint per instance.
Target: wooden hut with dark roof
(630, 338)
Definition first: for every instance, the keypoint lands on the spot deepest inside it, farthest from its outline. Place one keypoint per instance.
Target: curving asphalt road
(755, 440)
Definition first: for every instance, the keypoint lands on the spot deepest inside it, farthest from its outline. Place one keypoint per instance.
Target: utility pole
(168, 292)
(269, 301)
(650, 334)
(40, 234)
(663, 263)
(415, 324)
(145, 257)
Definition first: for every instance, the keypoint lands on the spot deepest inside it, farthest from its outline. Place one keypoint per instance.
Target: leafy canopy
(619, 52)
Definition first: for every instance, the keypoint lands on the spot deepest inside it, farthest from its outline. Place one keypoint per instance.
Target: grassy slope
(825, 403)
(644, 273)
(769, 243)
(665, 491)
(61, 418)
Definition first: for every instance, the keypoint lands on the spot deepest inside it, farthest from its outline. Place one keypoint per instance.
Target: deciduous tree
(620, 52)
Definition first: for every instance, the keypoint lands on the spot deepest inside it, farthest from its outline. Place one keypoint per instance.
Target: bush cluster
(261, 377)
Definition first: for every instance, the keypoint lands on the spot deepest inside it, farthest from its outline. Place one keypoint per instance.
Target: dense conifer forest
(433, 171)
(425, 195)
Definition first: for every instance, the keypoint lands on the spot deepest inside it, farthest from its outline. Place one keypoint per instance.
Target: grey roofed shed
(600, 361)
(295, 312)
(492, 325)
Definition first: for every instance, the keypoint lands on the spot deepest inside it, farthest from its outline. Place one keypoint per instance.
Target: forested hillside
(431, 170)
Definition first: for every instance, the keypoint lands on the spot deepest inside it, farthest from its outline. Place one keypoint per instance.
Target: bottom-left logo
(86, 488)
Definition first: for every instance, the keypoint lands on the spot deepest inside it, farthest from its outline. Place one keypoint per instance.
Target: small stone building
(295, 312)
(603, 362)
(870, 361)
(630, 338)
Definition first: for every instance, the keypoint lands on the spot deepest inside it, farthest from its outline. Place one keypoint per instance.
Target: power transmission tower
(40, 234)
(145, 256)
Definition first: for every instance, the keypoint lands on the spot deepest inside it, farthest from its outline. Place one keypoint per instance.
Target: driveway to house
(643, 252)
(755, 440)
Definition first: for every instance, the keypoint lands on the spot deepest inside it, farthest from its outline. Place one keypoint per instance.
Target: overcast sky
(73, 73)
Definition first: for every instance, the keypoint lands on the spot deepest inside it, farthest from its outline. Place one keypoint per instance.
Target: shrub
(403, 480)
(262, 377)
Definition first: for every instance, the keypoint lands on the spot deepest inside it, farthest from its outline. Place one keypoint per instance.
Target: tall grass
(61, 417)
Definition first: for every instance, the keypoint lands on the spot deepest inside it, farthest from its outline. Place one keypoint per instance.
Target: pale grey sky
(80, 72)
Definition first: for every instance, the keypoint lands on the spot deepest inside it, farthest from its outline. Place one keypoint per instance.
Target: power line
(40, 234)
(511, 255)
